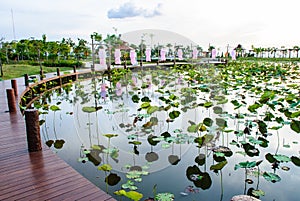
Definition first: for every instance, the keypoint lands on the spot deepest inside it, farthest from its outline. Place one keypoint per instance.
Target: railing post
(58, 71)
(76, 75)
(58, 74)
(33, 130)
(14, 85)
(11, 100)
(26, 80)
(41, 74)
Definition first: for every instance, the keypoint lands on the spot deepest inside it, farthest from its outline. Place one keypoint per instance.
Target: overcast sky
(262, 23)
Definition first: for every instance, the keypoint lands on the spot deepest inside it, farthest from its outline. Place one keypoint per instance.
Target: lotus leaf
(272, 177)
(54, 108)
(295, 126)
(246, 164)
(105, 167)
(218, 166)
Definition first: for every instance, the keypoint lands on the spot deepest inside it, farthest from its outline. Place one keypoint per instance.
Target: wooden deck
(37, 175)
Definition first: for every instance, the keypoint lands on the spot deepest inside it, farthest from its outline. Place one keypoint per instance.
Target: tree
(80, 49)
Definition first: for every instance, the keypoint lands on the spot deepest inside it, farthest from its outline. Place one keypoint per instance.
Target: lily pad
(272, 177)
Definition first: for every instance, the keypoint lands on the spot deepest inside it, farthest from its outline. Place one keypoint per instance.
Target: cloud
(128, 10)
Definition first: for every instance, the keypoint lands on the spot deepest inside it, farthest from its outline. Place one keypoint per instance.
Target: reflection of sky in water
(75, 131)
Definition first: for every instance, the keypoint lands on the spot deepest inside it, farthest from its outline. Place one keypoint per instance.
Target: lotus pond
(189, 132)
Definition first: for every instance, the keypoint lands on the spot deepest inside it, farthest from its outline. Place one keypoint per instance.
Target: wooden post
(76, 75)
(33, 130)
(41, 74)
(26, 80)
(58, 74)
(11, 100)
(14, 85)
(57, 71)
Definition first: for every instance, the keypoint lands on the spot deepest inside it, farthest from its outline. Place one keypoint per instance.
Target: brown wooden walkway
(38, 175)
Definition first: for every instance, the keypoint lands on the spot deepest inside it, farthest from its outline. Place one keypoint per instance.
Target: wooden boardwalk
(37, 175)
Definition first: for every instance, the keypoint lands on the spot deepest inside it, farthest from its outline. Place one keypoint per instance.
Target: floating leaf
(295, 160)
(218, 166)
(54, 108)
(281, 158)
(135, 196)
(193, 128)
(254, 107)
(208, 122)
(152, 109)
(262, 127)
(135, 98)
(112, 179)
(110, 135)
(105, 167)
(41, 122)
(221, 122)
(217, 110)
(258, 193)
(164, 197)
(145, 105)
(174, 114)
(89, 109)
(295, 126)
(58, 144)
(246, 164)
(272, 177)
(208, 104)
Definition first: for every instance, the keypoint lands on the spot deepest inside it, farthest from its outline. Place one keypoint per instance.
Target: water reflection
(192, 133)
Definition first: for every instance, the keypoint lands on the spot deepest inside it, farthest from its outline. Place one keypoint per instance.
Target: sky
(220, 23)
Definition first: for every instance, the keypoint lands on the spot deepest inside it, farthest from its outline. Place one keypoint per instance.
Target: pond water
(192, 133)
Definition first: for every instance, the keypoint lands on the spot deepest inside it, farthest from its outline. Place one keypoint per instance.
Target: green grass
(11, 71)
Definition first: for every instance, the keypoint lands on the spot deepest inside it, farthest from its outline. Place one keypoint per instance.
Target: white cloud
(128, 10)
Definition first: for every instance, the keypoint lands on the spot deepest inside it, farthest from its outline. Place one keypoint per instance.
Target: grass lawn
(18, 70)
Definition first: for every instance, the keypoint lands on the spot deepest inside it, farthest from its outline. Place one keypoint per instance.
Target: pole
(93, 55)
(33, 130)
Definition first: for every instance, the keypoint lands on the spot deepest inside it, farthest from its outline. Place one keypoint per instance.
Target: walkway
(38, 175)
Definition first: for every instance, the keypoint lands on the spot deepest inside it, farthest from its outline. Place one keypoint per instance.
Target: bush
(62, 63)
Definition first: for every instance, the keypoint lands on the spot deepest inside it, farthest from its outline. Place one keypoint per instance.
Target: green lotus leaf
(282, 158)
(135, 98)
(54, 108)
(258, 193)
(112, 179)
(221, 122)
(145, 105)
(152, 109)
(272, 177)
(174, 114)
(254, 107)
(267, 95)
(217, 110)
(218, 166)
(164, 197)
(207, 104)
(146, 99)
(295, 160)
(295, 126)
(208, 122)
(89, 109)
(105, 167)
(110, 135)
(246, 164)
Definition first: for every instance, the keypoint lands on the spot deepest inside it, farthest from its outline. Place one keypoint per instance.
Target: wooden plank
(39, 175)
